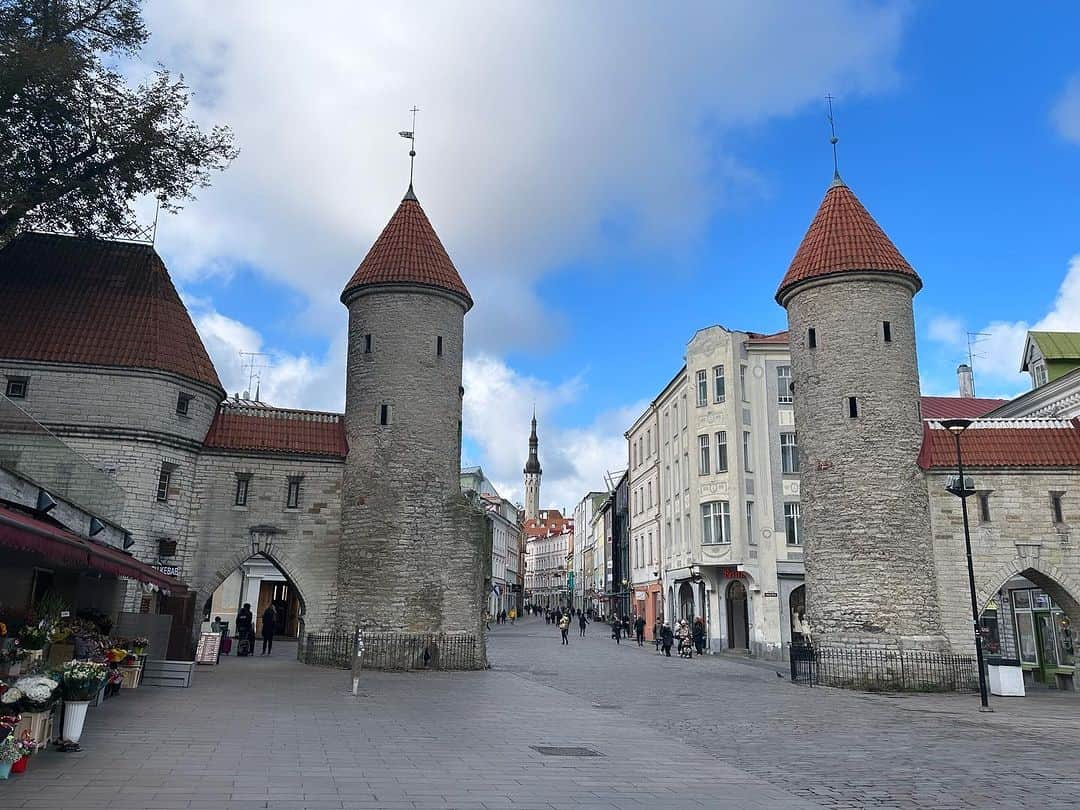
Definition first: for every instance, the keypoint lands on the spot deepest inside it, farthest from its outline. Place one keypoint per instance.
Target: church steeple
(532, 476)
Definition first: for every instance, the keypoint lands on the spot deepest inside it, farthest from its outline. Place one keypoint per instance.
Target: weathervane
(833, 139)
(411, 135)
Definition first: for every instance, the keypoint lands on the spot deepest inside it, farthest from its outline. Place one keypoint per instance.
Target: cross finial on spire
(833, 140)
(411, 135)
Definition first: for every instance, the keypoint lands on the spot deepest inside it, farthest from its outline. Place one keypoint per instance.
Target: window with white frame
(721, 451)
(715, 522)
(719, 390)
(792, 524)
(746, 451)
(702, 388)
(648, 443)
(789, 453)
(783, 385)
(703, 454)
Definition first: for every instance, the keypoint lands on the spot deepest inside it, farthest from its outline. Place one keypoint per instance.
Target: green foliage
(77, 144)
(49, 606)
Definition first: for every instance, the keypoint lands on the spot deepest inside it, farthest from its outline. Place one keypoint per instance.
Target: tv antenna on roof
(972, 339)
(250, 362)
(411, 135)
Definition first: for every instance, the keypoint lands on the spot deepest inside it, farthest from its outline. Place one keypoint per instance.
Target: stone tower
(412, 548)
(869, 562)
(532, 476)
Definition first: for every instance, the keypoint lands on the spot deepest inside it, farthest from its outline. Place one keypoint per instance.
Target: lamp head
(957, 426)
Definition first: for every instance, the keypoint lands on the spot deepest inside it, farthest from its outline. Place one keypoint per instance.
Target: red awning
(25, 533)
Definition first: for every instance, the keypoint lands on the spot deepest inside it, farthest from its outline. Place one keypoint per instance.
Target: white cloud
(1065, 114)
(1001, 343)
(540, 123)
(498, 406)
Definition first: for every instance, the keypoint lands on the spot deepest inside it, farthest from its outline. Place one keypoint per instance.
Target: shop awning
(25, 533)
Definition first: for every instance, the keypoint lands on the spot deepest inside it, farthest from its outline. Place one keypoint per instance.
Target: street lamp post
(957, 427)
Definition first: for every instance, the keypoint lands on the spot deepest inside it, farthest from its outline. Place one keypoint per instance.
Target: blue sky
(609, 182)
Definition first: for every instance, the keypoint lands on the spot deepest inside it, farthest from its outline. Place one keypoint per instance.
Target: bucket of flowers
(32, 638)
(139, 644)
(10, 753)
(39, 694)
(11, 656)
(28, 747)
(80, 683)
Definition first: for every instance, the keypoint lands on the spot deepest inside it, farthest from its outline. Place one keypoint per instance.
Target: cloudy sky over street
(610, 177)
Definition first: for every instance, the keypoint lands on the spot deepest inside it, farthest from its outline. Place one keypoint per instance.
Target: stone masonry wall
(1020, 538)
(869, 560)
(306, 543)
(412, 548)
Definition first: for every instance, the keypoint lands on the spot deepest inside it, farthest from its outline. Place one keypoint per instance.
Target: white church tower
(532, 477)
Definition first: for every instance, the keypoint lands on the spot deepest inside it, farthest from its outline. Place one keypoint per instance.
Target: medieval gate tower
(412, 548)
(869, 562)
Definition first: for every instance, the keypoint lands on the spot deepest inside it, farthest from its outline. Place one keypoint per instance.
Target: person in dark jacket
(581, 622)
(698, 633)
(667, 638)
(269, 627)
(245, 631)
(656, 628)
(639, 630)
(616, 629)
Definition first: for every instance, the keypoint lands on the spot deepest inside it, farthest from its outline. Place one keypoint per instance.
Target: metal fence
(882, 670)
(395, 651)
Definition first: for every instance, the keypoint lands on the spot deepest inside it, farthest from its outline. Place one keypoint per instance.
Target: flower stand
(74, 718)
(39, 724)
(19, 766)
(131, 676)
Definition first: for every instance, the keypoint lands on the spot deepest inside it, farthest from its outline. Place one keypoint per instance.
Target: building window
(438, 346)
(789, 453)
(984, 507)
(792, 519)
(886, 331)
(811, 338)
(675, 418)
(746, 450)
(703, 454)
(242, 485)
(17, 387)
(183, 404)
(721, 451)
(386, 413)
(1055, 504)
(715, 522)
(783, 385)
(702, 388)
(719, 390)
(164, 479)
(648, 443)
(852, 407)
(750, 523)
(367, 344)
(633, 453)
(292, 499)
(742, 384)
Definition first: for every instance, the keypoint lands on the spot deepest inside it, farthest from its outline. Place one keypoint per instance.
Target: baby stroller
(686, 648)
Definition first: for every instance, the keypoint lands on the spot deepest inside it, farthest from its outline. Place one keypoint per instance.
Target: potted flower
(39, 695)
(11, 701)
(81, 681)
(28, 747)
(11, 656)
(32, 638)
(10, 753)
(139, 645)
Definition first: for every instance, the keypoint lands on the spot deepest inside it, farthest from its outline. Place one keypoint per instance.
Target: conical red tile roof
(96, 301)
(844, 238)
(408, 251)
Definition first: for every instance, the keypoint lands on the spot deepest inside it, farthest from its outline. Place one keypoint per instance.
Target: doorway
(686, 602)
(260, 583)
(738, 619)
(797, 614)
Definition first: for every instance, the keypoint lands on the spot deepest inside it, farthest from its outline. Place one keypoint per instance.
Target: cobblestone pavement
(670, 733)
(835, 748)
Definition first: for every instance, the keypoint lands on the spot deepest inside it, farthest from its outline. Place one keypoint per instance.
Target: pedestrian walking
(564, 628)
(639, 630)
(658, 625)
(698, 633)
(512, 615)
(626, 626)
(245, 633)
(581, 622)
(667, 638)
(616, 629)
(682, 634)
(269, 627)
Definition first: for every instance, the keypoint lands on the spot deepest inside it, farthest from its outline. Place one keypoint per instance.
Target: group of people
(245, 629)
(686, 637)
(689, 638)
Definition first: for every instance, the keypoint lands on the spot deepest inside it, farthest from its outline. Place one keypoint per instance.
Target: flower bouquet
(139, 644)
(11, 656)
(115, 655)
(11, 701)
(28, 747)
(33, 637)
(39, 693)
(10, 753)
(82, 680)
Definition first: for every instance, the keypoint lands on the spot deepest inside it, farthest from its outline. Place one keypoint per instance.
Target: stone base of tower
(419, 596)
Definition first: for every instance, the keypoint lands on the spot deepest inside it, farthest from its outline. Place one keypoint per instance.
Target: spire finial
(833, 140)
(411, 135)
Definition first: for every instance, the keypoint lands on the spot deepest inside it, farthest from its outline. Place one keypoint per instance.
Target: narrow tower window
(811, 338)
(385, 414)
(886, 331)
(242, 487)
(984, 507)
(367, 344)
(852, 407)
(438, 346)
(1055, 504)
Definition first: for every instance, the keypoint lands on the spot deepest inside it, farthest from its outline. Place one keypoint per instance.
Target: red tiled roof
(958, 407)
(276, 430)
(776, 337)
(408, 251)
(1004, 443)
(842, 238)
(97, 302)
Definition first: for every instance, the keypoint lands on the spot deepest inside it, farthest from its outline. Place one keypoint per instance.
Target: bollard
(358, 660)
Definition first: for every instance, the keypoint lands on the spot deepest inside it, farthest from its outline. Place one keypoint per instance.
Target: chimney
(967, 381)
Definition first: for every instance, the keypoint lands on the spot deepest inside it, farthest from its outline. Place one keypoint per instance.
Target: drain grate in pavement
(565, 751)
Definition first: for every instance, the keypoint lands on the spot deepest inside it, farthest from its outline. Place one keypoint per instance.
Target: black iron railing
(395, 651)
(882, 670)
